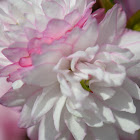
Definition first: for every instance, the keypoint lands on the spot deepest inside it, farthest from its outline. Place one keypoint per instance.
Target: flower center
(85, 85)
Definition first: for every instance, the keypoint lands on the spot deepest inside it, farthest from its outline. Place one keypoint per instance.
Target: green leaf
(107, 4)
(137, 27)
(134, 22)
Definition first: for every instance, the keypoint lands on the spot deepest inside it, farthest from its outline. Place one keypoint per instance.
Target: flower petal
(32, 132)
(45, 101)
(127, 122)
(41, 75)
(14, 54)
(121, 101)
(107, 132)
(72, 17)
(25, 118)
(130, 40)
(110, 26)
(5, 86)
(132, 88)
(77, 128)
(19, 96)
(52, 9)
(46, 129)
(103, 92)
(91, 33)
(56, 28)
(57, 112)
(9, 69)
(104, 113)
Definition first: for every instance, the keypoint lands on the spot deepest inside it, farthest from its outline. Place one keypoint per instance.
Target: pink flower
(73, 79)
(130, 6)
(8, 125)
(8, 121)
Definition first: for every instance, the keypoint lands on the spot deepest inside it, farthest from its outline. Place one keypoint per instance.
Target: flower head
(73, 79)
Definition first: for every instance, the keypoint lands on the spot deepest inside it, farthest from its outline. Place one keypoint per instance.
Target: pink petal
(73, 17)
(56, 28)
(14, 54)
(5, 86)
(9, 69)
(111, 25)
(87, 38)
(41, 75)
(19, 96)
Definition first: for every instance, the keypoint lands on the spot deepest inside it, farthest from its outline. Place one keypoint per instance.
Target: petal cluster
(72, 71)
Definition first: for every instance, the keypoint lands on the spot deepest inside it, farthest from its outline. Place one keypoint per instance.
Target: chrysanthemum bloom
(74, 79)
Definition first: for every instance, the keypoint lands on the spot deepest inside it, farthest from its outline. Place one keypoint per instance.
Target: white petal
(33, 132)
(103, 92)
(118, 54)
(130, 40)
(64, 86)
(46, 129)
(107, 132)
(121, 20)
(77, 127)
(53, 9)
(132, 88)
(41, 75)
(41, 22)
(65, 135)
(19, 96)
(133, 71)
(45, 101)
(57, 112)
(5, 18)
(121, 101)
(80, 5)
(104, 113)
(127, 122)
(89, 134)
(78, 91)
(50, 53)
(86, 55)
(110, 26)
(90, 69)
(17, 84)
(22, 6)
(71, 108)
(91, 119)
(87, 38)
(25, 118)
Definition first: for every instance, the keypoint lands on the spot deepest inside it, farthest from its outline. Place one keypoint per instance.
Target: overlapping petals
(73, 76)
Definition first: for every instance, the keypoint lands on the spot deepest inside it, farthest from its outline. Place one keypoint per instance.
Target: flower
(8, 125)
(9, 120)
(74, 79)
(130, 6)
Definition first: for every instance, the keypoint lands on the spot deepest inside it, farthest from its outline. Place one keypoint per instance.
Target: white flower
(76, 81)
